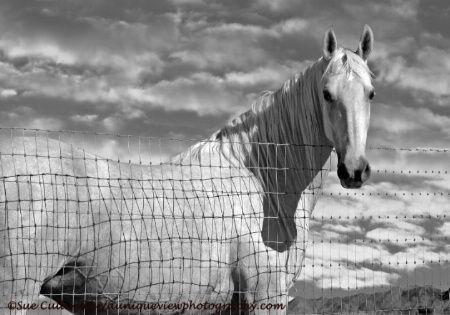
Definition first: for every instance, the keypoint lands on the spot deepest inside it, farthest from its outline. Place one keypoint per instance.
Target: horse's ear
(365, 43)
(329, 43)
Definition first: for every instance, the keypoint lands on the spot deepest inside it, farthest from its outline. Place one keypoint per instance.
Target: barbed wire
(95, 133)
(437, 150)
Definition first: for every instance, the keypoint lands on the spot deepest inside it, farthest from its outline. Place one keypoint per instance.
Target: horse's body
(227, 215)
(185, 230)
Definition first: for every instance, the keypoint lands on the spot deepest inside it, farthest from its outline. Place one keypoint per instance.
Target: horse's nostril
(358, 176)
(342, 172)
(367, 170)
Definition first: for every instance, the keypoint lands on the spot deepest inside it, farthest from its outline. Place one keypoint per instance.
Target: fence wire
(99, 221)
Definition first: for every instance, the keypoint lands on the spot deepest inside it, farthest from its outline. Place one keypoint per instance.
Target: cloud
(292, 26)
(225, 45)
(428, 71)
(276, 6)
(84, 119)
(5, 93)
(394, 8)
(401, 231)
(46, 123)
(345, 266)
(392, 124)
(40, 49)
(444, 230)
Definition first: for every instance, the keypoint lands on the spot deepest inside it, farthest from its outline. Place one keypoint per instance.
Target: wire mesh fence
(100, 222)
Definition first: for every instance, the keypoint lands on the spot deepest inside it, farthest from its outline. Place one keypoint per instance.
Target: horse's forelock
(346, 61)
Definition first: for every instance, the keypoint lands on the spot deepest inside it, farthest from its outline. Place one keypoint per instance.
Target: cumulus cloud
(346, 266)
(427, 71)
(411, 126)
(5, 93)
(84, 118)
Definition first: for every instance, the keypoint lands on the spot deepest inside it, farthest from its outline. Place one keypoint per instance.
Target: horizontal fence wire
(108, 219)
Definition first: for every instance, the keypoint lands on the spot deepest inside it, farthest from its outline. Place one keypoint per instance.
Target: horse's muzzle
(354, 177)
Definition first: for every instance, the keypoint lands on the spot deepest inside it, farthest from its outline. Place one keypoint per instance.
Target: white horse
(227, 218)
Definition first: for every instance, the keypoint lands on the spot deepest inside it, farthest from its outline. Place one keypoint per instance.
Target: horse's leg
(269, 292)
(264, 275)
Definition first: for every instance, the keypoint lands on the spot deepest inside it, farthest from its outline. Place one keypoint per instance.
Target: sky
(182, 68)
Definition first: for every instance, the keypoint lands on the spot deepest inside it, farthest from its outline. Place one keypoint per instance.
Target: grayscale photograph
(256, 157)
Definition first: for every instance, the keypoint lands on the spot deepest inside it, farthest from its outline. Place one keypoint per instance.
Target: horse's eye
(372, 95)
(327, 96)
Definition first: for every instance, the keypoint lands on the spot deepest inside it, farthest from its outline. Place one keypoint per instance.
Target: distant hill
(420, 300)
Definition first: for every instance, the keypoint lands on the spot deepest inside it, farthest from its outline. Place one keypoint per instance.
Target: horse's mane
(261, 124)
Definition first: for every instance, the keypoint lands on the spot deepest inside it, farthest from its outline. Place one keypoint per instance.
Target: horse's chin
(351, 184)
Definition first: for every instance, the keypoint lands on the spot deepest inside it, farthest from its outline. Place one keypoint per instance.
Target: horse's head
(346, 95)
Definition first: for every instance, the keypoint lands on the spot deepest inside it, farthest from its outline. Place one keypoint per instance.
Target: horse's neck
(289, 159)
